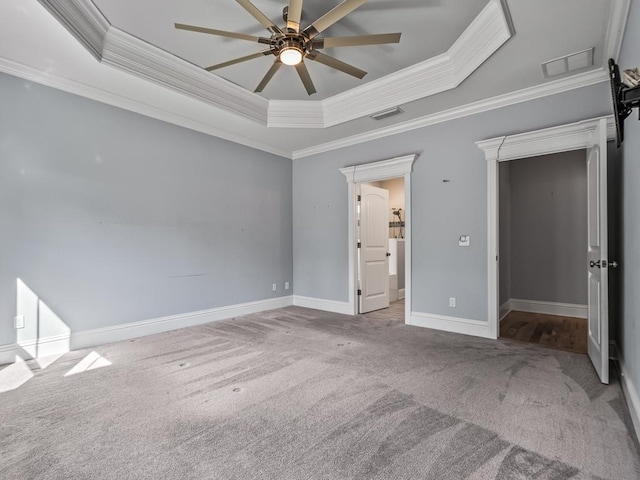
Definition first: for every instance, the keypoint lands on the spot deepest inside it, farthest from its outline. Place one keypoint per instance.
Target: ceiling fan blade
(377, 39)
(239, 60)
(258, 15)
(335, 63)
(294, 13)
(301, 68)
(267, 78)
(221, 33)
(328, 19)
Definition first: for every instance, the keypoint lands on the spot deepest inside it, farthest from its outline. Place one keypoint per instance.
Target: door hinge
(359, 292)
(359, 245)
(359, 198)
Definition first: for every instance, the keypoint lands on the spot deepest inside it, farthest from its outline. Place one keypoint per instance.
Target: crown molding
(531, 93)
(130, 54)
(132, 105)
(296, 114)
(114, 47)
(88, 25)
(487, 33)
(84, 20)
(615, 29)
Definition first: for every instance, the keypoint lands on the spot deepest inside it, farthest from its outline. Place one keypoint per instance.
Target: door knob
(594, 264)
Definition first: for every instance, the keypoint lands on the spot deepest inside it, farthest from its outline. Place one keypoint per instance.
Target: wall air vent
(568, 63)
(390, 112)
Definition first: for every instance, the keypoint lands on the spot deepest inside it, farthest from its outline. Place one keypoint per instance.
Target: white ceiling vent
(568, 63)
(390, 112)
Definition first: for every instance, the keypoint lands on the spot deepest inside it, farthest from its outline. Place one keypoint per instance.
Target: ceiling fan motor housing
(290, 41)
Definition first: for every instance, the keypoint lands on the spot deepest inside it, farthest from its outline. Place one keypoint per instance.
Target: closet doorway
(543, 255)
(591, 135)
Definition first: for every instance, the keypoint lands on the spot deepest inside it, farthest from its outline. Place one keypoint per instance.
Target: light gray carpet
(301, 394)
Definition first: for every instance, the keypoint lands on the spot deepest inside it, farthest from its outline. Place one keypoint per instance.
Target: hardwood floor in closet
(563, 333)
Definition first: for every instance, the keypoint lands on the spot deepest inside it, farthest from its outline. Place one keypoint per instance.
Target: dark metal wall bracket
(625, 99)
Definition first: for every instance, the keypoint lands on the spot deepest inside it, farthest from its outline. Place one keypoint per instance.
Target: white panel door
(374, 246)
(597, 256)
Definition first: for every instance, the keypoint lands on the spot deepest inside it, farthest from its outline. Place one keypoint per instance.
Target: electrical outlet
(286, 285)
(275, 287)
(19, 321)
(452, 302)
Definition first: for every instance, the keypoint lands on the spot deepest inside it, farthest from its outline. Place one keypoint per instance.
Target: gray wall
(441, 211)
(504, 241)
(112, 217)
(629, 332)
(548, 228)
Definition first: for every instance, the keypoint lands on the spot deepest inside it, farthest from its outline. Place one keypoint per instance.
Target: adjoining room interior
(543, 250)
(179, 238)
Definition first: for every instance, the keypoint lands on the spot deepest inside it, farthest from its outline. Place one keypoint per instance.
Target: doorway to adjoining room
(381, 244)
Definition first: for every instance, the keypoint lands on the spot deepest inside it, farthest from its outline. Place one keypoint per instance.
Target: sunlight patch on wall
(90, 362)
(44, 333)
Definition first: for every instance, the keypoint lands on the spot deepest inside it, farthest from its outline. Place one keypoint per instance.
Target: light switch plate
(464, 240)
(18, 321)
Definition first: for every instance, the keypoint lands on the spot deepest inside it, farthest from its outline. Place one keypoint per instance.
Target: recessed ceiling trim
(85, 22)
(124, 51)
(296, 114)
(488, 32)
(130, 54)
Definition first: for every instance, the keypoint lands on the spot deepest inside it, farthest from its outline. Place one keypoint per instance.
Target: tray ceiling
(428, 28)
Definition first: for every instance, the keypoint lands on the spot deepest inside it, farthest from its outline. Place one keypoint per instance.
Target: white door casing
(563, 138)
(597, 253)
(374, 248)
(371, 172)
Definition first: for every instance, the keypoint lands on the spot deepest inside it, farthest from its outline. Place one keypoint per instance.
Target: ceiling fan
(292, 45)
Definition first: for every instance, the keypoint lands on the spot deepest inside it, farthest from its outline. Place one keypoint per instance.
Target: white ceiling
(35, 46)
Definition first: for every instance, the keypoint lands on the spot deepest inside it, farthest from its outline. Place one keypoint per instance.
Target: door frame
(374, 172)
(563, 138)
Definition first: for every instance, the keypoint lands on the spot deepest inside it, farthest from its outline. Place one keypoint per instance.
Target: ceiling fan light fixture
(291, 55)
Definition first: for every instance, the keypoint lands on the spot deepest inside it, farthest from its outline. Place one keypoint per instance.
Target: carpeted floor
(301, 394)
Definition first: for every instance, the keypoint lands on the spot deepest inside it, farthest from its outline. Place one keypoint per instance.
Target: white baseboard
(46, 346)
(322, 304)
(547, 308)
(631, 396)
(117, 333)
(400, 293)
(477, 328)
(7, 354)
(505, 309)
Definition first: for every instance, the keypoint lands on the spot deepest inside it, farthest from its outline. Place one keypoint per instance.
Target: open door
(597, 256)
(373, 248)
